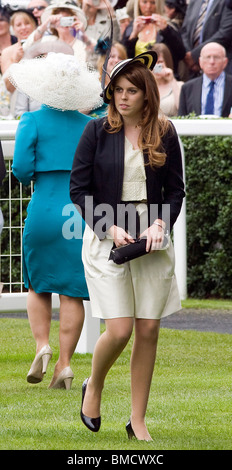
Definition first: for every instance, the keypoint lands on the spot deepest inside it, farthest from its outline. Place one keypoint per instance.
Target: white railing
(17, 301)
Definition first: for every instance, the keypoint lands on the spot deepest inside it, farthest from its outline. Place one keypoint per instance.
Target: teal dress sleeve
(24, 154)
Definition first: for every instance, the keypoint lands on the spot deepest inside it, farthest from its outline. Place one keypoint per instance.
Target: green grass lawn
(190, 405)
(214, 304)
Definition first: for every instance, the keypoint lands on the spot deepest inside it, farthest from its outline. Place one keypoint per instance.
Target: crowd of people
(106, 185)
(184, 27)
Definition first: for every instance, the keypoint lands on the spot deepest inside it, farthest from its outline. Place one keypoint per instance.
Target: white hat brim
(58, 81)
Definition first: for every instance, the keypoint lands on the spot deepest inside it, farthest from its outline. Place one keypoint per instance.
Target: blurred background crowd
(193, 40)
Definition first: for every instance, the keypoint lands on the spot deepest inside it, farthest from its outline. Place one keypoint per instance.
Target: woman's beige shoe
(39, 365)
(64, 379)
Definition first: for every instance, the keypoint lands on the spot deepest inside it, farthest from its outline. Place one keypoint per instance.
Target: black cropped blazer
(97, 171)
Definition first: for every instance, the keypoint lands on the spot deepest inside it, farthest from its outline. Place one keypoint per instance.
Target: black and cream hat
(148, 58)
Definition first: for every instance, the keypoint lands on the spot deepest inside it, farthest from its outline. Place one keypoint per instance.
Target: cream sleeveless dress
(145, 287)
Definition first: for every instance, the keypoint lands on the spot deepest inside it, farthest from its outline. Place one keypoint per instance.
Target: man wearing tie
(205, 21)
(211, 93)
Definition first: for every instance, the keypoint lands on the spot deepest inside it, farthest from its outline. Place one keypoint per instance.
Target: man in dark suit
(205, 21)
(211, 93)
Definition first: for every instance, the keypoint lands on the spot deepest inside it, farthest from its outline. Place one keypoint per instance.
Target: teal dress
(45, 145)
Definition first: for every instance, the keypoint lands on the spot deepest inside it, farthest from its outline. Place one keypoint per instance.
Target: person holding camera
(148, 28)
(128, 163)
(169, 87)
(65, 21)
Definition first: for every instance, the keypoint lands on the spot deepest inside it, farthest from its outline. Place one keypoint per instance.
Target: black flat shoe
(91, 423)
(130, 431)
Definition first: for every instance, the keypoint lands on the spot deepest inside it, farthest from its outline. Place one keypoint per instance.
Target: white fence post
(90, 332)
(180, 242)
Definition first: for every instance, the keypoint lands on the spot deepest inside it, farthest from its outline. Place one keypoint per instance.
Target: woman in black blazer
(127, 168)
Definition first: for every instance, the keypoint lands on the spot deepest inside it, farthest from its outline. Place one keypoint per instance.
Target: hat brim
(148, 59)
(57, 80)
(78, 12)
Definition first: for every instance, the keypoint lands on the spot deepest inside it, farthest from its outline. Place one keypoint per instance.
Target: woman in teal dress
(52, 240)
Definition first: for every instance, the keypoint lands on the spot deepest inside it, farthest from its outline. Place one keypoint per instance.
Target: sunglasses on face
(36, 8)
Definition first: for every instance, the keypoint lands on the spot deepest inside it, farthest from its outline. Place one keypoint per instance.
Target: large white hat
(64, 4)
(59, 81)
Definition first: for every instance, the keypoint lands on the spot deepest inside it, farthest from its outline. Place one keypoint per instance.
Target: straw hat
(58, 81)
(148, 59)
(67, 4)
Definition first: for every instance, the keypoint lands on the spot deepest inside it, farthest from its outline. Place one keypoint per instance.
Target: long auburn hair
(153, 127)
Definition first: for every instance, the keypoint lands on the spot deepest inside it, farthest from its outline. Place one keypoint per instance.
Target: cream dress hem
(145, 287)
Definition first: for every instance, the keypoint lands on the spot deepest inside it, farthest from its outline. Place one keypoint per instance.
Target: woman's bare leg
(39, 315)
(71, 323)
(108, 348)
(142, 366)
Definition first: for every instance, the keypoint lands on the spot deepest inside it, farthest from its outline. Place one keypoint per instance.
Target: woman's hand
(18, 52)
(160, 21)
(53, 21)
(154, 235)
(120, 236)
(138, 25)
(78, 25)
(167, 74)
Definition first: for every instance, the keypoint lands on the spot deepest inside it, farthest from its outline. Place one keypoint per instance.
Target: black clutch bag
(133, 250)
(128, 252)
